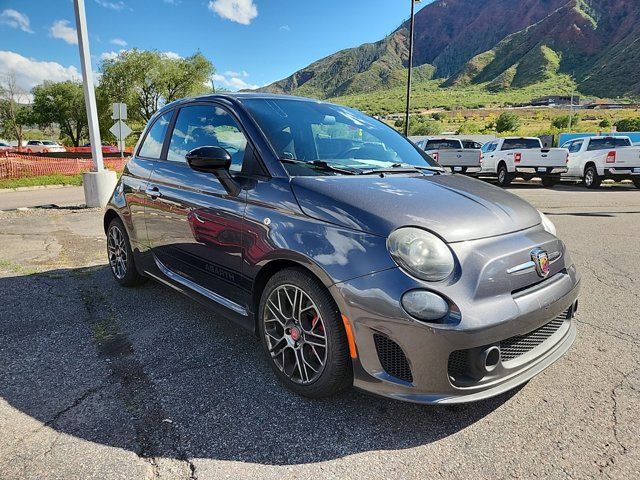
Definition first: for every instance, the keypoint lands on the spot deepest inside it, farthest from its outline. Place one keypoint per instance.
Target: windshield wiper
(402, 168)
(321, 165)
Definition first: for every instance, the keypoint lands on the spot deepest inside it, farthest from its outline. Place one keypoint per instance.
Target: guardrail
(15, 165)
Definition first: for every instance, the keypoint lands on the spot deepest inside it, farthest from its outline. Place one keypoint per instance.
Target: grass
(41, 180)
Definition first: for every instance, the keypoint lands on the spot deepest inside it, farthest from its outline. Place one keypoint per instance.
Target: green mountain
(500, 44)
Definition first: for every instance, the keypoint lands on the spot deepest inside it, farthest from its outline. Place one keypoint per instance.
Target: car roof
(239, 97)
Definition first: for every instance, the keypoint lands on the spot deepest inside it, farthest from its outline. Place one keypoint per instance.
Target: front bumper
(541, 170)
(373, 307)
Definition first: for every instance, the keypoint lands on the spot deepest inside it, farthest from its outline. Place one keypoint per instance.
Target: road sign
(119, 111)
(121, 131)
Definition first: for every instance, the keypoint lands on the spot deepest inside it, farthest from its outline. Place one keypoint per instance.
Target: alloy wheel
(588, 178)
(117, 251)
(295, 334)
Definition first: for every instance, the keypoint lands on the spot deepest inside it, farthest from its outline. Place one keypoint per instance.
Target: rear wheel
(591, 177)
(636, 182)
(504, 177)
(549, 182)
(303, 336)
(120, 255)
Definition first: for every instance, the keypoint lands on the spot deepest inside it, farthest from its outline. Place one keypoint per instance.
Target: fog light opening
(491, 359)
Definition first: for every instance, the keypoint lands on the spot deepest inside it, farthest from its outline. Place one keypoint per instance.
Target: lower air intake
(392, 358)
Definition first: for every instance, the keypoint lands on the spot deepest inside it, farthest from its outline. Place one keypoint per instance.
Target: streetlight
(99, 183)
(411, 25)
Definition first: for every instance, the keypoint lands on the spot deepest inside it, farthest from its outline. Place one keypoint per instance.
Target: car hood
(454, 207)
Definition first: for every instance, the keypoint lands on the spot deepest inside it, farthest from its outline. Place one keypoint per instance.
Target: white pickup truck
(450, 153)
(593, 159)
(511, 157)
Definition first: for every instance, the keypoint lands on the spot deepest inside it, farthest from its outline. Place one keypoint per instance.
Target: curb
(37, 187)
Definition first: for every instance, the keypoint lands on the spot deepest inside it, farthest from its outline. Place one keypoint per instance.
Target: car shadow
(152, 372)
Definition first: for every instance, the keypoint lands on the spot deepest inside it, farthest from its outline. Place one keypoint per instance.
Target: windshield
(307, 131)
(521, 143)
(49, 142)
(608, 143)
(443, 144)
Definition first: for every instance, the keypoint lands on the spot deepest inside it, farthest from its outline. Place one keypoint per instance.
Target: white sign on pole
(119, 111)
(120, 129)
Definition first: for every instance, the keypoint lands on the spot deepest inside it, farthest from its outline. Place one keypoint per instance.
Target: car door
(194, 224)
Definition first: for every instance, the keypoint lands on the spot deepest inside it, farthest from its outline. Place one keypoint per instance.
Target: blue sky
(251, 42)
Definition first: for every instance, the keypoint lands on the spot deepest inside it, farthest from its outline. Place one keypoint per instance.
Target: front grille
(460, 361)
(513, 347)
(392, 358)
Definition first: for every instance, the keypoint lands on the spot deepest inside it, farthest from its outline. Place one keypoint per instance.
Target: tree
(146, 80)
(628, 125)
(15, 112)
(426, 128)
(61, 103)
(562, 122)
(507, 122)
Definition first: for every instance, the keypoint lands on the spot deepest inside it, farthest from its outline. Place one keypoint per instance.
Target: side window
(152, 145)
(207, 126)
(575, 147)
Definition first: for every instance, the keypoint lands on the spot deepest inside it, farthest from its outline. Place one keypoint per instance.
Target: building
(555, 100)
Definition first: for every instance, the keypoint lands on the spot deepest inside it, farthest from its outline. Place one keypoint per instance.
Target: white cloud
(240, 11)
(15, 19)
(234, 82)
(61, 29)
(113, 54)
(286, 28)
(172, 55)
(118, 41)
(30, 72)
(111, 5)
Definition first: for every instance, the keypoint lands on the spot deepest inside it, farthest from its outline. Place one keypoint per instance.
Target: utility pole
(99, 183)
(571, 112)
(411, 26)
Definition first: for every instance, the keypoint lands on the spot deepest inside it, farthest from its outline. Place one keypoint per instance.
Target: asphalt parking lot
(97, 381)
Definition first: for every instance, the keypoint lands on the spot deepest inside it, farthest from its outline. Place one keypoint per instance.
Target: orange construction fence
(15, 165)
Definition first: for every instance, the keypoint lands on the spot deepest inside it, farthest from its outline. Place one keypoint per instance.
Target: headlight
(421, 253)
(547, 224)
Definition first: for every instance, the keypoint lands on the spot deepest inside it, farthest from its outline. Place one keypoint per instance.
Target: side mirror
(209, 159)
(214, 160)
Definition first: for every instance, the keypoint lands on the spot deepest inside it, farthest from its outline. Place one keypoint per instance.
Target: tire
(636, 181)
(591, 178)
(120, 256)
(504, 177)
(285, 338)
(549, 182)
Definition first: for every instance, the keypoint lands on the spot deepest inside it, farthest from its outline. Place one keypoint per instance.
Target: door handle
(153, 192)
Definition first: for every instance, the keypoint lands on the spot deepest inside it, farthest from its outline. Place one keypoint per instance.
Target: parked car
(511, 157)
(471, 144)
(345, 248)
(106, 148)
(594, 159)
(450, 153)
(5, 147)
(44, 146)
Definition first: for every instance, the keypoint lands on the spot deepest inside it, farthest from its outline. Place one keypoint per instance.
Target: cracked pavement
(102, 382)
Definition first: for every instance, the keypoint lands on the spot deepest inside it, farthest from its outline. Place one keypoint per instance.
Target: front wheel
(303, 336)
(591, 177)
(504, 177)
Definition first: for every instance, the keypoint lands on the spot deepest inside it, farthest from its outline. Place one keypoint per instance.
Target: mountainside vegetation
(479, 51)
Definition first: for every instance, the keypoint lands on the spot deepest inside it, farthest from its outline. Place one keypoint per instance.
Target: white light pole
(98, 184)
(410, 72)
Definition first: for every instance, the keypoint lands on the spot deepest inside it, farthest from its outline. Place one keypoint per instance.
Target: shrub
(507, 122)
(426, 128)
(628, 125)
(562, 122)
(606, 123)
